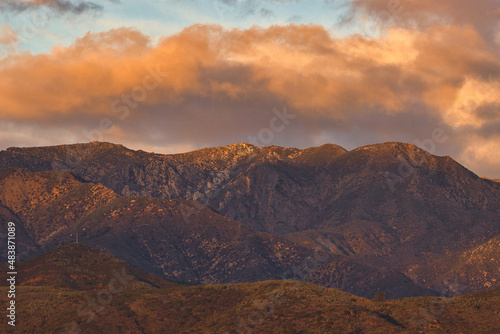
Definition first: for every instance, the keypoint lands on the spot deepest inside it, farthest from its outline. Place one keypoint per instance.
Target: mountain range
(388, 217)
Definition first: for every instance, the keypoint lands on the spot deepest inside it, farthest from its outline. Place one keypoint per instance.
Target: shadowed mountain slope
(171, 237)
(475, 269)
(176, 239)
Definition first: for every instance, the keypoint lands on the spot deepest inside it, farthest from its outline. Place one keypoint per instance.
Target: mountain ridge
(392, 205)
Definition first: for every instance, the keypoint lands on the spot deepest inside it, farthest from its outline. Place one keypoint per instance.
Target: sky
(177, 75)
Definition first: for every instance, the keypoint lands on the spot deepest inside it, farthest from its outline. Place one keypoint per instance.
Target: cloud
(75, 7)
(483, 15)
(244, 8)
(7, 35)
(211, 86)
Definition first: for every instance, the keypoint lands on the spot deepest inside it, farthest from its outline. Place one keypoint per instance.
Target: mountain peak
(241, 145)
(317, 156)
(390, 146)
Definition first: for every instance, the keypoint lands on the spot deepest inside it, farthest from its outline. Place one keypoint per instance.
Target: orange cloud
(302, 65)
(7, 35)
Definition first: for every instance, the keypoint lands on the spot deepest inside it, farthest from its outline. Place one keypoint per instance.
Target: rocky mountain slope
(475, 269)
(151, 233)
(175, 239)
(86, 304)
(389, 206)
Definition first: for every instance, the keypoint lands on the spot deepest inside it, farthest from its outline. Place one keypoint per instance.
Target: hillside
(77, 267)
(264, 307)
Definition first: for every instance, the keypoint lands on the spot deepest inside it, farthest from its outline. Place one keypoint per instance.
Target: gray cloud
(246, 8)
(63, 6)
(484, 15)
